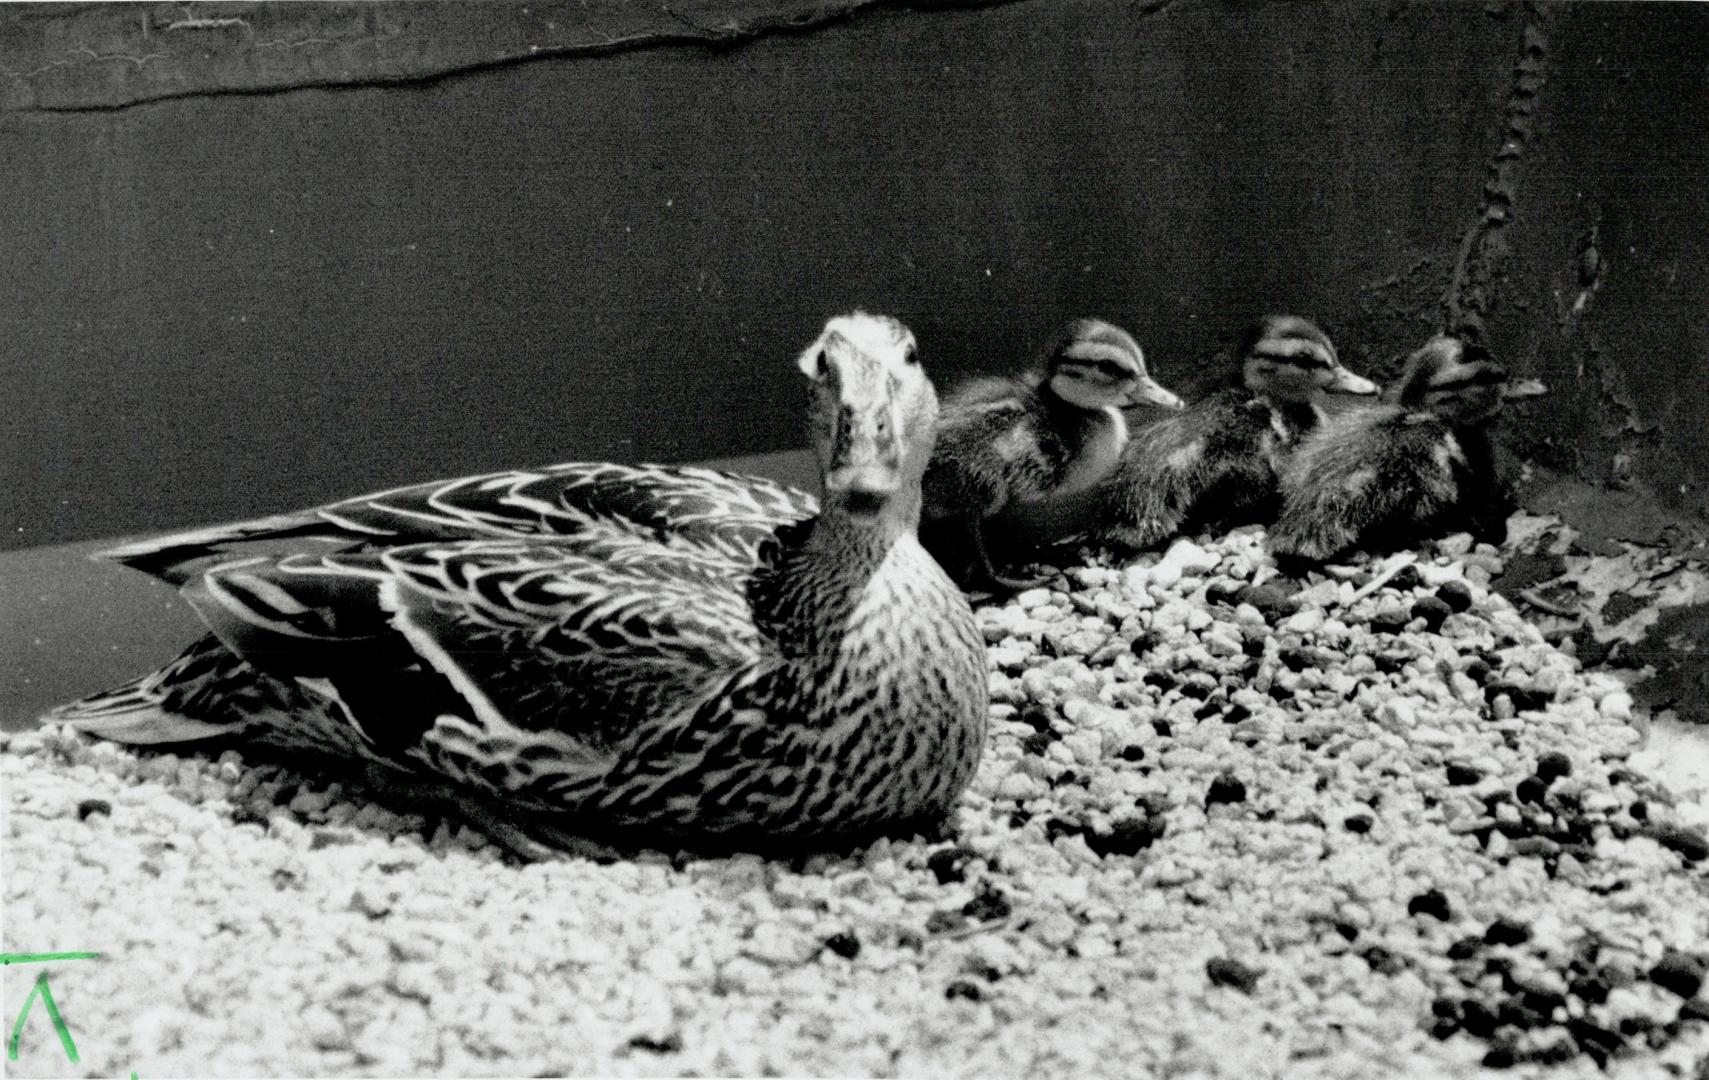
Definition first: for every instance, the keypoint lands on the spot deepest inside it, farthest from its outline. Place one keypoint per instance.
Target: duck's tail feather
(133, 714)
(192, 699)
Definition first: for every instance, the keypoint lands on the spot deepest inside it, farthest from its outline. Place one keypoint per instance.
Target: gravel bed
(1225, 826)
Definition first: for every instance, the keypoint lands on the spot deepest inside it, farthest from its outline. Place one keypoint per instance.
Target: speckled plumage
(1043, 435)
(1215, 465)
(1389, 475)
(675, 652)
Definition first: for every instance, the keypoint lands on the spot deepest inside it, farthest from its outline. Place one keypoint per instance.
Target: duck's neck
(807, 599)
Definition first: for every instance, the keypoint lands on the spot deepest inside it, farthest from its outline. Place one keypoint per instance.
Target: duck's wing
(1371, 477)
(987, 450)
(721, 516)
(527, 667)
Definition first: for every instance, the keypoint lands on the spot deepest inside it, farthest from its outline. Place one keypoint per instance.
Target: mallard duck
(1048, 434)
(1214, 465)
(670, 654)
(1419, 464)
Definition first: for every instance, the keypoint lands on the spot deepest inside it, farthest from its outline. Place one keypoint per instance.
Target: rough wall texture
(258, 255)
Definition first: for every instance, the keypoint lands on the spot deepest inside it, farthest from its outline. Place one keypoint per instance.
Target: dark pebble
(1207, 710)
(1390, 622)
(1056, 828)
(1407, 577)
(1160, 679)
(1639, 810)
(1598, 1042)
(1223, 592)
(1037, 743)
(1431, 902)
(1553, 765)
(1591, 989)
(1462, 775)
(90, 807)
(1502, 1055)
(1268, 599)
(1235, 713)
(1066, 776)
(1477, 670)
(1132, 752)
(1347, 930)
(1129, 836)
(1680, 972)
(1226, 972)
(1145, 640)
(1531, 790)
(1456, 594)
(1163, 728)
(1360, 822)
(1445, 1008)
(845, 945)
(1433, 611)
(940, 922)
(1382, 961)
(1695, 1009)
(1038, 718)
(989, 904)
(1253, 647)
(1478, 1020)
(1389, 663)
(1505, 931)
(961, 988)
(1688, 842)
(1195, 689)
(1225, 789)
(949, 865)
(670, 1044)
(1294, 660)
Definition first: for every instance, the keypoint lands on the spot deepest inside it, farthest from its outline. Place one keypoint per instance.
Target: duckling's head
(1094, 365)
(1458, 381)
(872, 414)
(1287, 358)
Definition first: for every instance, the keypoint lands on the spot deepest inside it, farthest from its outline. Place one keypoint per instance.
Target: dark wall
(406, 249)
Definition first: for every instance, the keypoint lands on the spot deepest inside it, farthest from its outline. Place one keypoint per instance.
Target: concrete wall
(261, 255)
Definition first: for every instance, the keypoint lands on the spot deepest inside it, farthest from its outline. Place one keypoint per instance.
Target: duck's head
(1458, 381)
(1094, 365)
(1287, 358)
(872, 414)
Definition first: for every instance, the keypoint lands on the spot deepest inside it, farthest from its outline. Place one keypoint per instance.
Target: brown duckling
(1046, 434)
(1418, 465)
(1215, 465)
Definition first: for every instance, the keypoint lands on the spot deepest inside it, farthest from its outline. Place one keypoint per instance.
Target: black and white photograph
(1047, 539)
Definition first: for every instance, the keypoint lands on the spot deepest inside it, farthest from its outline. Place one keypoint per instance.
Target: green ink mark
(45, 957)
(41, 990)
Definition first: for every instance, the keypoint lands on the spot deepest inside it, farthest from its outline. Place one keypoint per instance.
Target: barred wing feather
(716, 515)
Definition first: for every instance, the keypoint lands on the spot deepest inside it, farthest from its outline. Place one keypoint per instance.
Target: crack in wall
(1474, 289)
(394, 44)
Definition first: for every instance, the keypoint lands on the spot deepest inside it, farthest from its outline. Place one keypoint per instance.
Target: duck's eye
(821, 364)
(911, 355)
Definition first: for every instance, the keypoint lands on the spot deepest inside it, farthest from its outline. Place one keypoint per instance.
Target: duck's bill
(1524, 388)
(863, 489)
(1149, 392)
(1345, 382)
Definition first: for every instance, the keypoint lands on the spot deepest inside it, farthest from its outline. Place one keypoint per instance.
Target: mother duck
(658, 654)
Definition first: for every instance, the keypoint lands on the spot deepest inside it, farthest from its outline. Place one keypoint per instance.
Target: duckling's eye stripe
(1091, 351)
(1306, 356)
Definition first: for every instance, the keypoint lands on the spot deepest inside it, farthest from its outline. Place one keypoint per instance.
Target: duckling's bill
(1149, 392)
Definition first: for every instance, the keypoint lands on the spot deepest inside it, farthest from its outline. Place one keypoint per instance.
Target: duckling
(1050, 433)
(1418, 465)
(1214, 465)
(659, 654)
